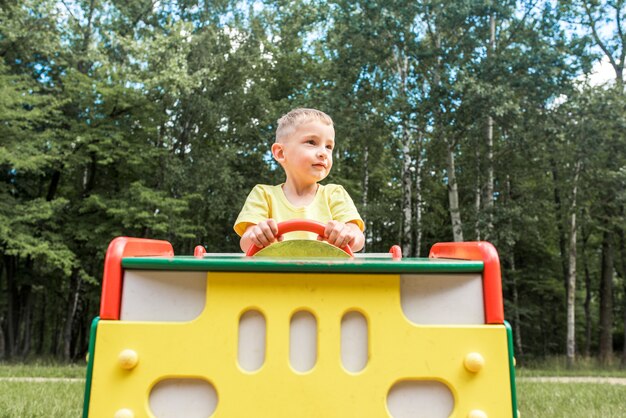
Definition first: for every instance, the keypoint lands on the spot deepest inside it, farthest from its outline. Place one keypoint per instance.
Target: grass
(535, 399)
(571, 400)
(557, 366)
(41, 399)
(34, 400)
(42, 369)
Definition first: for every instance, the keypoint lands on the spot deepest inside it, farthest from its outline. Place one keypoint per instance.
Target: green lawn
(571, 400)
(65, 399)
(38, 399)
(20, 399)
(557, 366)
(42, 369)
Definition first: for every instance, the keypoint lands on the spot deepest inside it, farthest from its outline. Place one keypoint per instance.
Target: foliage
(156, 119)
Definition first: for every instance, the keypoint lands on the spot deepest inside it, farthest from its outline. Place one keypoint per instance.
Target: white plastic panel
(440, 299)
(354, 342)
(420, 399)
(251, 341)
(189, 398)
(171, 296)
(303, 341)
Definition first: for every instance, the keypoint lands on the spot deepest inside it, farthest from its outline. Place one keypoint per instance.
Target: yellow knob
(477, 413)
(128, 359)
(124, 413)
(474, 362)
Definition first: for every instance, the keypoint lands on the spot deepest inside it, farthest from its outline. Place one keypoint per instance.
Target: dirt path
(601, 380)
(570, 379)
(43, 379)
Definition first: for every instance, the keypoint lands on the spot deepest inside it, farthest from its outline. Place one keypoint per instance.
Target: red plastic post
(199, 251)
(492, 279)
(119, 248)
(396, 252)
(293, 225)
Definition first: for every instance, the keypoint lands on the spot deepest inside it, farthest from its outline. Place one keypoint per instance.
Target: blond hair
(287, 123)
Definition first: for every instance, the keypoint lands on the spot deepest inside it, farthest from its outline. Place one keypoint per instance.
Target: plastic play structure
(300, 329)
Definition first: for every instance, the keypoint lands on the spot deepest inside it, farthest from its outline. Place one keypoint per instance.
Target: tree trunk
(489, 188)
(623, 361)
(560, 223)
(571, 276)
(619, 44)
(72, 305)
(401, 72)
(453, 190)
(3, 322)
(517, 327)
(517, 323)
(12, 318)
(57, 336)
(366, 183)
(418, 197)
(54, 185)
(622, 245)
(606, 299)
(453, 197)
(26, 320)
(89, 175)
(587, 305)
(407, 201)
(83, 66)
(490, 180)
(477, 195)
(2, 342)
(41, 334)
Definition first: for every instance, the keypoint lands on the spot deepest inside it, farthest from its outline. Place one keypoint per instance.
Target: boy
(305, 139)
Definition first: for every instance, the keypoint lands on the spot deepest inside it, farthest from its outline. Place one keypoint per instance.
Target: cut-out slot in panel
(189, 398)
(420, 399)
(251, 342)
(442, 299)
(170, 296)
(354, 342)
(303, 341)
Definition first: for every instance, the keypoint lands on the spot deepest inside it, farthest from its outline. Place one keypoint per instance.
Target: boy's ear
(278, 152)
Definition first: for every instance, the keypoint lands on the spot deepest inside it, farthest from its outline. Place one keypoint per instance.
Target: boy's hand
(340, 235)
(262, 234)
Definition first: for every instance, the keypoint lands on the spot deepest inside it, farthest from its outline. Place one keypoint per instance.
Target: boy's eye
(330, 147)
(310, 141)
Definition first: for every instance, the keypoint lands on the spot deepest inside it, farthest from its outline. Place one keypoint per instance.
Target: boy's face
(306, 154)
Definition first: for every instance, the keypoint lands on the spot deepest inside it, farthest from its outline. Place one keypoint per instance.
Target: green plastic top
(327, 265)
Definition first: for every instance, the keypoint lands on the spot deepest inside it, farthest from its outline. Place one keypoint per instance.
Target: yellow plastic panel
(206, 348)
(189, 398)
(302, 248)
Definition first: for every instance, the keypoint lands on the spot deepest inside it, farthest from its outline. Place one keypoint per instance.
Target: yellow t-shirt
(331, 202)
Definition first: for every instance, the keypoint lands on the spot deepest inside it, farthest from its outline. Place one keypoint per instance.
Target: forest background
(455, 120)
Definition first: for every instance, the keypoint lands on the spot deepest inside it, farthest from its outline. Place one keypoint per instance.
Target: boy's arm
(347, 226)
(342, 234)
(262, 234)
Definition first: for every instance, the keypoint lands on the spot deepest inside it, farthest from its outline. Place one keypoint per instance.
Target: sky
(602, 72)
